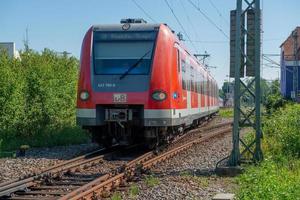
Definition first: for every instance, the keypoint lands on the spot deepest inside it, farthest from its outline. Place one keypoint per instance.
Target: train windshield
(116, 52)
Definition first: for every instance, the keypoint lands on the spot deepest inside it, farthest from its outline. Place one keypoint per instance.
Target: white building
(10, 47)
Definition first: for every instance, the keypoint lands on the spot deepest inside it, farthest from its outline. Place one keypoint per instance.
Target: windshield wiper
(134, 65)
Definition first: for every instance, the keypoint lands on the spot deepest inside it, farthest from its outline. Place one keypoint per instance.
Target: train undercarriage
(126, 133)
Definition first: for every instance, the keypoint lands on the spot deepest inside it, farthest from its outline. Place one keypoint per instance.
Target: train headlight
(84, 95)
(159, 95)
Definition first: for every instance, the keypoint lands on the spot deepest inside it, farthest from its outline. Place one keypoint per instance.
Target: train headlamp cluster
(84, 95)
(159, 95)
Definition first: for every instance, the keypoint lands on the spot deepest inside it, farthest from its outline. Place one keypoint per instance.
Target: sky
(61, 24)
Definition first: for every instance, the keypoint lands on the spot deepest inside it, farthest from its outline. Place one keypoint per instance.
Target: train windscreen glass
(116, 52)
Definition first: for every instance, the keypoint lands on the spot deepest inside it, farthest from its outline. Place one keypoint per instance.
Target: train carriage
(138, 83)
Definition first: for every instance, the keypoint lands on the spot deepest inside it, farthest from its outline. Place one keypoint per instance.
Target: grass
(278, 176)
(133, 190)
(202, 181)
(152, 181)
(116, 196)
(226, 112)
(185, 173)
(271, 181)
(66, 136)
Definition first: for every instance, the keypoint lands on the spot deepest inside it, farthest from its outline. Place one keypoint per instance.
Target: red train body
(138, 82)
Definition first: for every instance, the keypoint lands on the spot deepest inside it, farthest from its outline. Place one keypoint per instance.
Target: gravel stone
(37, 159)
(190, 175)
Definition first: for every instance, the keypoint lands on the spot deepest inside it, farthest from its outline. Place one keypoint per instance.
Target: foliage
(227, 87)
(151, 181)
(278, 176)
(271, 181)
(38, 93)
(226, 112)
(270, 93)
(273, 99)
(65, 136)
(282, 131)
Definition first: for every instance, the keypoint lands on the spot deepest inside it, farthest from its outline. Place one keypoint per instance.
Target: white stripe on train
(153, 113)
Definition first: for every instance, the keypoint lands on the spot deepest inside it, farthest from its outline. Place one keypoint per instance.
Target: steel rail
(49, 168)
(111, 181)
(9, 187)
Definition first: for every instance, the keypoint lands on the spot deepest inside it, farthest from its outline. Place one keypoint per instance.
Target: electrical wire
(218, 11)
(208, 19)
(187, 35)
(191, 24)
(143, 10)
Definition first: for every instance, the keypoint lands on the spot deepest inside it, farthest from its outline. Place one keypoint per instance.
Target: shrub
(270, 181)
(278, 176)
(38, 94)
(282, 130)
(274, 102)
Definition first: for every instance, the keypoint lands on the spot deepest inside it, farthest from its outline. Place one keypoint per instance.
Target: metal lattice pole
(235, 154)
(246, 112)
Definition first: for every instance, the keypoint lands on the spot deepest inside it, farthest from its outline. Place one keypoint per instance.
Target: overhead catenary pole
(235, 154)
(245, 60)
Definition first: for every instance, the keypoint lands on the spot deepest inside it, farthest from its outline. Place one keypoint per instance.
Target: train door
(202, 91)
(208, 93)
(198, 81)
(189, 98)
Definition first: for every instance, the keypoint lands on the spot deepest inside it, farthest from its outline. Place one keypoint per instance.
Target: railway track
(16, 186)
(71, 180)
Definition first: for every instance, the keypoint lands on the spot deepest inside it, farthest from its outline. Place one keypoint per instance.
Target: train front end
(113, 88)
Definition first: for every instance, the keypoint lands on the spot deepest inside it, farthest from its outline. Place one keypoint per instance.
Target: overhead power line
(191, 23)
(189, 39)
(143, 10)
(218, 11)
(208, 19)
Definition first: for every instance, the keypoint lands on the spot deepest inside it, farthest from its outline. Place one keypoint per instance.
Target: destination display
(140, 35)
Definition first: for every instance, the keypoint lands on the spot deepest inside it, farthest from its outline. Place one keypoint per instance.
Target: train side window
(208, 88)
(183, 65)
(178, 60)
(183, 76)
(192, 86)
(183, 84)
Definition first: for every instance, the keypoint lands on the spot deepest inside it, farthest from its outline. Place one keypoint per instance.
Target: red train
(138, 83)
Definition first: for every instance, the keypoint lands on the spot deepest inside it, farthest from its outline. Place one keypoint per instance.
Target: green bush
(278, 176)
(282, 131)
(274, 102)
(38, 94)
(271, 181)
(272, 98)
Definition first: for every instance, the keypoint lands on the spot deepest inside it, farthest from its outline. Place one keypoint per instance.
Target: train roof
(122, 27)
